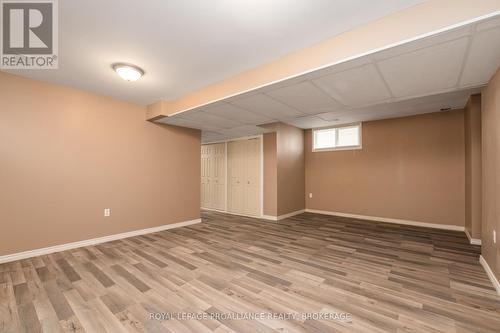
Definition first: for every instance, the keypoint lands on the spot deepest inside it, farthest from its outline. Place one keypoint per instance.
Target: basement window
(337, 138)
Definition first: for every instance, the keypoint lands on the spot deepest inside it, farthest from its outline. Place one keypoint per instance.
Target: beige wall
(284, 169)
(291, 169)
(491, 173)
(65, 155)
(409, 168)
(473, 166)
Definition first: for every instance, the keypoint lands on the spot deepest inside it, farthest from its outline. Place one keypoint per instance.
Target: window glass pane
(348, 136)
(324, 139)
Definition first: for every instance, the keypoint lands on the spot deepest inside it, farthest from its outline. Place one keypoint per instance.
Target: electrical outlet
(107, 212)
(310, 195)
(494, 236)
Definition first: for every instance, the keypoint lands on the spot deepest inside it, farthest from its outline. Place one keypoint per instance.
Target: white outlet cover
(107, 212)
(310, 195)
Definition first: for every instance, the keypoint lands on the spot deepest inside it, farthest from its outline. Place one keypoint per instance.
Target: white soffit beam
(420, 21)
(438, 72)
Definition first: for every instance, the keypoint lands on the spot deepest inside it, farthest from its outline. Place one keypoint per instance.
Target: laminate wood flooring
(388, 278)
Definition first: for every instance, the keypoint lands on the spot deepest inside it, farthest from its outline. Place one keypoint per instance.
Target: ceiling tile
(243, 95)
(305, 97)
(238, 114)
(433, 103)
(283, 83)
(245, 130)
(335, 116)
(177, 121)
(483, 59)
(208, 136)
(488, 24)
(266, 106)
(209, 119)
(355, 87)
(210, 133)
(309, 122)
(423, 43)
(425, 71)
(358, 62)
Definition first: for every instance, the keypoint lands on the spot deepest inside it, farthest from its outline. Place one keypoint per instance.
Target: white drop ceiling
(421, 76)
(185, 45)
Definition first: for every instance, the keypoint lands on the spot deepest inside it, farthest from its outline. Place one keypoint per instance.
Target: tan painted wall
(472, 113)
(491, 173)
(284, 169)
(409, 168)
(270, 175)
(65, 155)
(291, 169)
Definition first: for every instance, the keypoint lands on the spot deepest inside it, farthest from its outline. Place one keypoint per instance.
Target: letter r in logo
(29, 28)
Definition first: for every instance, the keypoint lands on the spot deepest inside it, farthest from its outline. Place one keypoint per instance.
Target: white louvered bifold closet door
(244, 177)
(213, 174)
(218, 181)
(205, 176)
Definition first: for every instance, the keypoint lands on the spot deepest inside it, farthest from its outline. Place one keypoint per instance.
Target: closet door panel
(213, 173)
(218, 181)
(244, 160)
(252, 178)
(236, 190)
(205, 176)
(240, 177)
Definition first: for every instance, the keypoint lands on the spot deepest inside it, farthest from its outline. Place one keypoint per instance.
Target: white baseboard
(390, 220)
(284, 216)
(231, 213)
(492, 276)
(93, 241)
(473, 241)
(264, 217)
(214, 210)
(297, 212)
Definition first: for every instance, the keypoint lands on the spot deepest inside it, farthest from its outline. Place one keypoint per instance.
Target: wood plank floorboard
(389, 278)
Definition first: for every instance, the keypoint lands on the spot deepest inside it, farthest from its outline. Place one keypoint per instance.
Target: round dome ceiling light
(128, 72)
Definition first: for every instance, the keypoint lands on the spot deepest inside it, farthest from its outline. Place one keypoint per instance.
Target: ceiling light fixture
(128, 72)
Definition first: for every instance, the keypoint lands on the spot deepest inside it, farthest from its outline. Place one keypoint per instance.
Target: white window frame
(360, 146)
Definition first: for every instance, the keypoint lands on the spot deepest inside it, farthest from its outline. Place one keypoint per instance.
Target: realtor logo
(29, 34)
